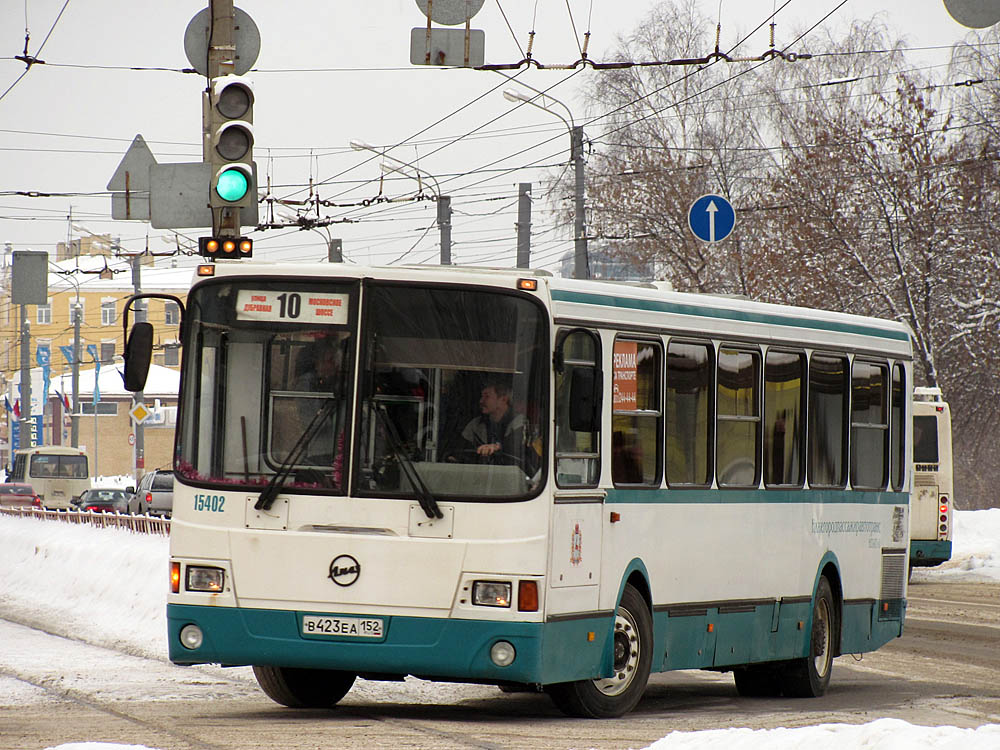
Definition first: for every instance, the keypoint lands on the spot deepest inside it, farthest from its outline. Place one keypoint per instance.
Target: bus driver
(497, 434)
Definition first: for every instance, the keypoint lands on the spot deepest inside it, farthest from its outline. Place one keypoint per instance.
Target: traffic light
(225, 248)
(229, 142)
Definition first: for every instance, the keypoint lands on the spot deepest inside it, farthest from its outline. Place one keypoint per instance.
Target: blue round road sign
(711, 218)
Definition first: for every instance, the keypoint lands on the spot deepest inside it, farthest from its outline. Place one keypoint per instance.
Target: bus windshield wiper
(424, 496)
(277, 483)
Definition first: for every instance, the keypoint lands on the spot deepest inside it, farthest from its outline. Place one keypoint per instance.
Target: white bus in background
(58, 473)
(695, 482)
(932, 499)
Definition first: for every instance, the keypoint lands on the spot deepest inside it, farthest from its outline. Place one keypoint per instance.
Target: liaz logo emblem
(344, 570)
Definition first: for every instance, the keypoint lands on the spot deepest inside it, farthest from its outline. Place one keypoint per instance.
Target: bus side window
(637, 417)
(784, 418)
(869, 425)
(578, 457)
(738, 418)
(898, 427)
(827, 418)
(690, 441)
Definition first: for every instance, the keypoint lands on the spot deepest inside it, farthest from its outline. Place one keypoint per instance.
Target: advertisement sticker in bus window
(291, 307)
(625, 375)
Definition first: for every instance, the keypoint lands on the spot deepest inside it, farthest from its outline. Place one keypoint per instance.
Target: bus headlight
(192, 637)
(205, 579)
(491, 593)
(502, 653)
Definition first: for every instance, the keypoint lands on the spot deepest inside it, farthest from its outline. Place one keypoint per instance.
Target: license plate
(351, 627)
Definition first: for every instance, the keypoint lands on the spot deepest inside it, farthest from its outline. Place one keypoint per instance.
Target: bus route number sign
(291, 307)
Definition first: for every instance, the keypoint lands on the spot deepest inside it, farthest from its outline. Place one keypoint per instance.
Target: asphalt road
(942, 671)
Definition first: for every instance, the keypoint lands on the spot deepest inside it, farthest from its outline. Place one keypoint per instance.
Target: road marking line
(949, 601)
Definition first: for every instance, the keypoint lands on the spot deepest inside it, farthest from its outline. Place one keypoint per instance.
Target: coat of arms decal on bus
(576, 546)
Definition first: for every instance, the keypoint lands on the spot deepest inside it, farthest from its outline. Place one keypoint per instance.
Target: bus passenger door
(575, 559)
(575, 544)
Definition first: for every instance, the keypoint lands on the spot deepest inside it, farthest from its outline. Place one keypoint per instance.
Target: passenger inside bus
(319, 370)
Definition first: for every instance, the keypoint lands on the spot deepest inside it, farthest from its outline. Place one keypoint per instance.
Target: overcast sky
(328, 73)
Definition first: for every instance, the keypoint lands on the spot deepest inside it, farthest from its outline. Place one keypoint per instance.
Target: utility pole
(25, 440)
(524, 225)
(444, 222)
(137, 398)
(581, 264)
(75, 419)
(335, 251)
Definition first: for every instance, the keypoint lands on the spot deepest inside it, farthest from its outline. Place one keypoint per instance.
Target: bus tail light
(175, 577)
(527, 596)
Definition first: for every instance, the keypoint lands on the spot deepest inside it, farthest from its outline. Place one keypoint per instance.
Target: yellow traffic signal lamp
(225, 248)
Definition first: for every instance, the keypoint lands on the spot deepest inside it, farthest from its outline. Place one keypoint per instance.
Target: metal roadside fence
(141, 524)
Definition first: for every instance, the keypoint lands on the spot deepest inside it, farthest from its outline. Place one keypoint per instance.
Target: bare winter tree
(667, 135)
(860, 187)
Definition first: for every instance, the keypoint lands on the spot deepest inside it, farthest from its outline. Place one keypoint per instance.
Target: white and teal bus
(529, 481)
(932, 498)
(59, 474)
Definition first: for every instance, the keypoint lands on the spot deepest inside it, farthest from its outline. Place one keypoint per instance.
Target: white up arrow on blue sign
(711, 218)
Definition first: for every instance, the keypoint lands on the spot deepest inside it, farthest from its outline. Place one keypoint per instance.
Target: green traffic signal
(232, 185)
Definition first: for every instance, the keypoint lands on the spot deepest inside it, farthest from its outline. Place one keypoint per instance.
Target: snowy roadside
(107, 587)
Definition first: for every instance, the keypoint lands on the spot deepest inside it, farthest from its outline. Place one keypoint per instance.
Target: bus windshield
(449, 398)
(55, 466)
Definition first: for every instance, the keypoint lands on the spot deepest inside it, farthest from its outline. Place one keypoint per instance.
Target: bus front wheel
(809, 677)
(610, 697)
(303, 688)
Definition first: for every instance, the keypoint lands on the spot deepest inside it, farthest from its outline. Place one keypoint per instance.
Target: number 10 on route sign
(711, 218)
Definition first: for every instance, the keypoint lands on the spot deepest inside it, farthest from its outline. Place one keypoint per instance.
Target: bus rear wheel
(610, 697)
(303, 688)
(809, 677)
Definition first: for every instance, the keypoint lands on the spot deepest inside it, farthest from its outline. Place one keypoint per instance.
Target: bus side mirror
(138, 353)
(585, 399)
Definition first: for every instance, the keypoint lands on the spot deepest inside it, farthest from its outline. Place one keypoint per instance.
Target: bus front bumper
(444, 649)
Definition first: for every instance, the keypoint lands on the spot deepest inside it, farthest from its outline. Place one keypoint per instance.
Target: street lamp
(443, 201)
(580, 262)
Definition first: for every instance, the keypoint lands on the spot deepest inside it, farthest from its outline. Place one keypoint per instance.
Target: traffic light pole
(221, 62)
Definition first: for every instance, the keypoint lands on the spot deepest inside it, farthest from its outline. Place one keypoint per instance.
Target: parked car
(18, 495)
(103, 500)
(154, 494)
